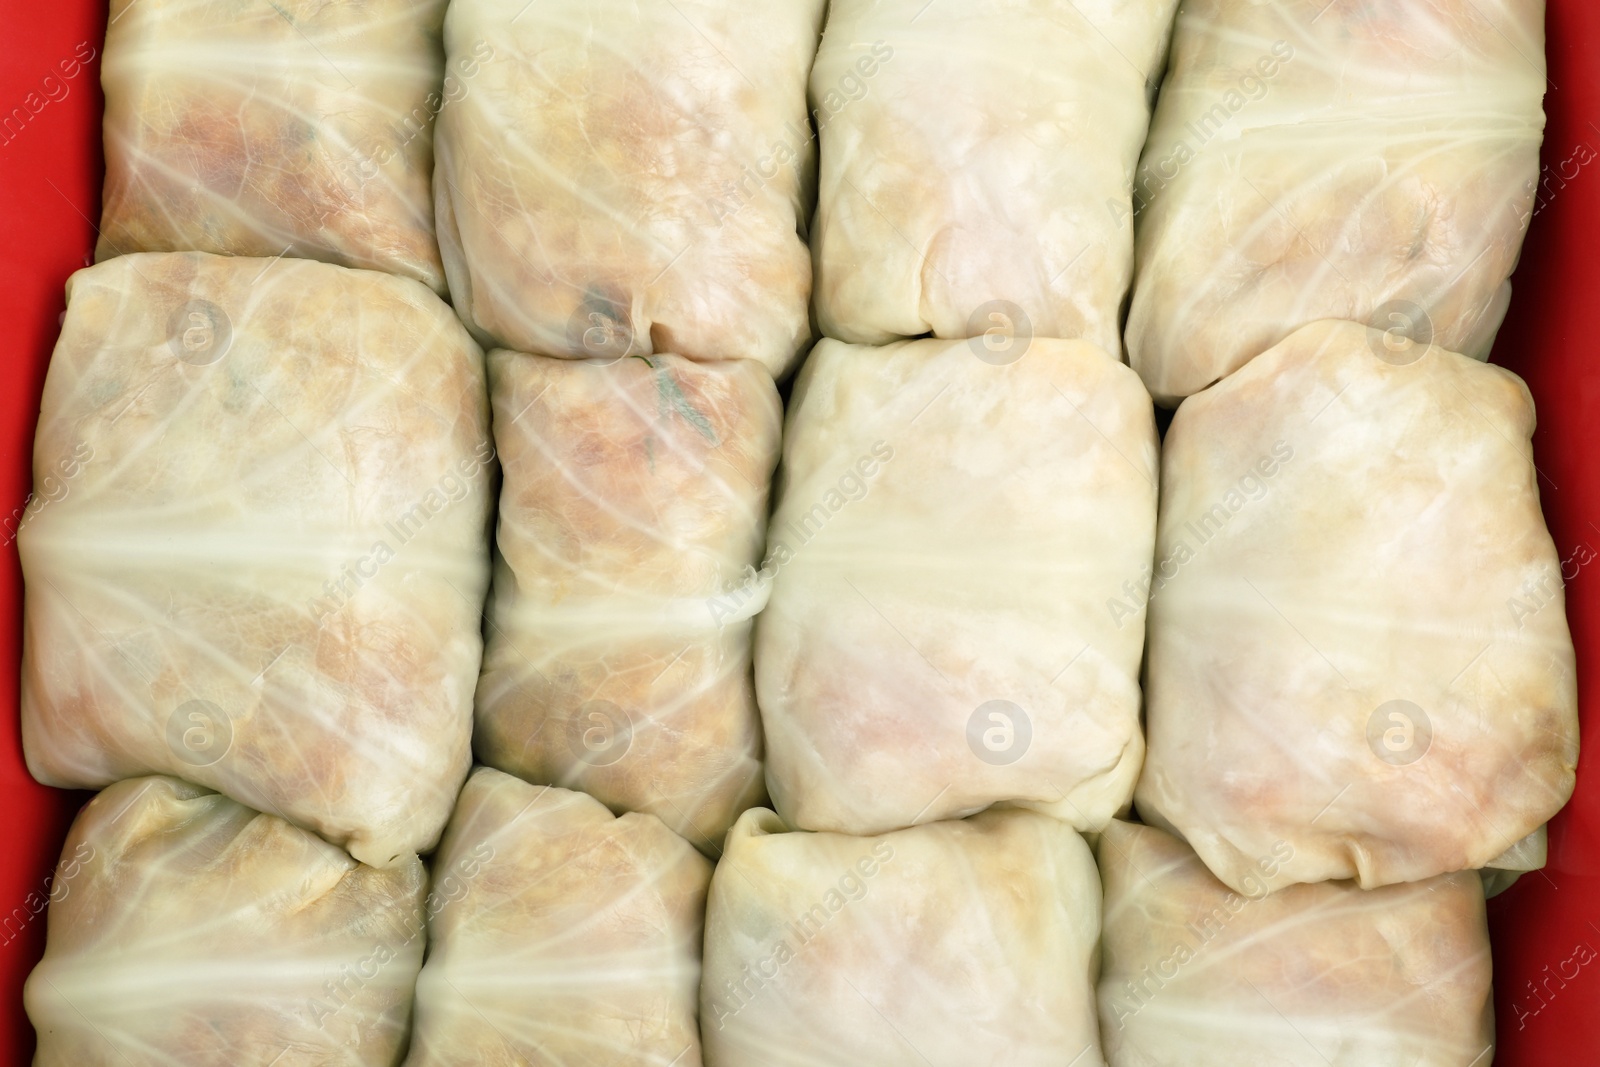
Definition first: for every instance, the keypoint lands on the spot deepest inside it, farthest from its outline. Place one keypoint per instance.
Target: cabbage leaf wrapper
(187, 929)
(632, 515)
(1195, 974)
(977, 160)
(958, 557)
(561, 935)
(1312, 160)
(1357, 640)
(631, 177)
(264, 570)
(297, 127)
(971, 943)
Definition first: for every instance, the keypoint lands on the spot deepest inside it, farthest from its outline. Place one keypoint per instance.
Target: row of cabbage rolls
(849, 766)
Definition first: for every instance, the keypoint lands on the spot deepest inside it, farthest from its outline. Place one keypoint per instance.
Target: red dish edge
(50, 171)
(1546, 929)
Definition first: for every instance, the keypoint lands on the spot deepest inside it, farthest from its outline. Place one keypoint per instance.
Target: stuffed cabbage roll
(1310, 160)
(297, 127)
(561, 935)
(267, 569)
(977, 160)
(1357, 637)
(631, 177)
(1326, 975)
(185, 928)
(1529, 854)
(954, 618)
(633, 509)
(967, 944)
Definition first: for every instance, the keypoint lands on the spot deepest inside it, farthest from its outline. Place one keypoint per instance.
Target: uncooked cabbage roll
(296, 127)
(633, 511)
(954, 618)
(559, 934)
(266, 571)
(1357, 637)
(967, 944)
(1310, 160)
(1326, 975)
(630, 177)
(976, 162)
(1529, 854)
(187, 929)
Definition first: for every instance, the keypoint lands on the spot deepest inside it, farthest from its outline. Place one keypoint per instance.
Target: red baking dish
(1546, 928)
